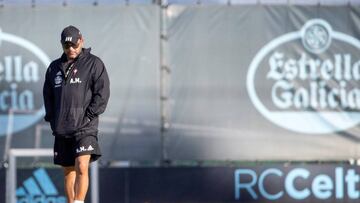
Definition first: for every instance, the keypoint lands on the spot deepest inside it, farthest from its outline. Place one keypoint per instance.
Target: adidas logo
(39, 189)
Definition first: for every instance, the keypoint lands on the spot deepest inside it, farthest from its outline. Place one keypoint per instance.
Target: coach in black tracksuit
(76, 92)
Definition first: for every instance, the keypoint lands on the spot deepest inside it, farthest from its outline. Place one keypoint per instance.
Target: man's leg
(82, 176)
(70, 175)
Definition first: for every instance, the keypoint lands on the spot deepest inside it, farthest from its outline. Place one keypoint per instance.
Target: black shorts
(67, 149)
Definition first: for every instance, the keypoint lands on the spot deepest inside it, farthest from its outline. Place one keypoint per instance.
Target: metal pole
(10, 125)
(38, 130)
(11, 179)
(95, 182)
(164, 75)
(37, 143)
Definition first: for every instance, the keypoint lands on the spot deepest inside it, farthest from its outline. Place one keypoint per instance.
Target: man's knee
(68, 170)
(82, 164)
(82, 168)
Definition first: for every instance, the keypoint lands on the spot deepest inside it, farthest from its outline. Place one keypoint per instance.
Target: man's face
(73, 50)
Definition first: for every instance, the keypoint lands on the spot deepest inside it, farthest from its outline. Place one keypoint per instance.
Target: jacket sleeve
(48, 97)
(100, 91)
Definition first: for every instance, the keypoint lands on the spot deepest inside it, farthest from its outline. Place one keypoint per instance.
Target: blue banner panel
(181, 185)
(263, 183)
(266, 183)
(113, 185)
(2, 186)
(40, 185)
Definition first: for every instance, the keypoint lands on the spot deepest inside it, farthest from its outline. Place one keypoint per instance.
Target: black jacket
(72, 105)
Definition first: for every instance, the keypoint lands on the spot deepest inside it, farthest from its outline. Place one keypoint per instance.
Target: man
(76, 92)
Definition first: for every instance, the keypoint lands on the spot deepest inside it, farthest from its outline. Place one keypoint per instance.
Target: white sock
(78, 201)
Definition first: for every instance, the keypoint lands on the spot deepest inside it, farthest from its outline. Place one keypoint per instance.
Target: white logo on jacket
(75, 80)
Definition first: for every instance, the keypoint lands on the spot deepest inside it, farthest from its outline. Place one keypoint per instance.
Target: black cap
(70, 34)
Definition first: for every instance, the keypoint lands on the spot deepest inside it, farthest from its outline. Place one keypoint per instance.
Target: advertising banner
(270, 183)
(264, 82)
(40, 185)
(260, 183)
(3, 187)
(124, 37)
(245, 82)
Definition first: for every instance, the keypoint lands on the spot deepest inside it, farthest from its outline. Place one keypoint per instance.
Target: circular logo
(58, 80)
(22, 64)
(302, 92)
(316, 36)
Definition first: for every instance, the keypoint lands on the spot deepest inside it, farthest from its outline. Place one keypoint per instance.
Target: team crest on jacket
(58, 81)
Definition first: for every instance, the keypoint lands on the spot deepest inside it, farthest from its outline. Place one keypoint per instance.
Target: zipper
(69, 73)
